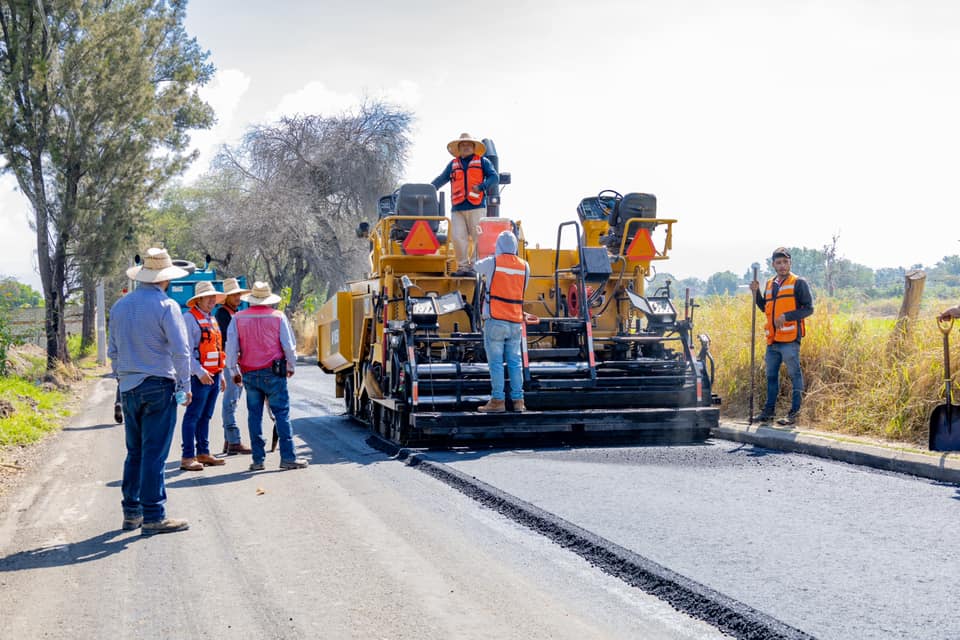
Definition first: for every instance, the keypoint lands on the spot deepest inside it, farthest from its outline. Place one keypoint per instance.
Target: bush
(859, 379)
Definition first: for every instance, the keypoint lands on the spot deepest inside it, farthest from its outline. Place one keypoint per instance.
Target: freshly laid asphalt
(832, 549)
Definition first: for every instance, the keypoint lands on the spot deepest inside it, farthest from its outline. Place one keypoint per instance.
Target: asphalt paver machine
(601, 357)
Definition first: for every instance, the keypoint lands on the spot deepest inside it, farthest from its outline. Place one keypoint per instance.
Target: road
(355, 546)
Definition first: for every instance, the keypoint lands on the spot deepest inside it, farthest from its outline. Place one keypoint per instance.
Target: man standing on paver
(150, 356)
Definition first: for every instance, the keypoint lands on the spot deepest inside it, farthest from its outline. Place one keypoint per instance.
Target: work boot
(209, 461)
(233, 448)
(167, 525)
(132, 522)
(494, 406)
(519, 406)
(190, 464)
(296, 463)
(763, 418)
(790, 419)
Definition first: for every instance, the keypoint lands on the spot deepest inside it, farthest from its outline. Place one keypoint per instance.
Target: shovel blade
(944, 435)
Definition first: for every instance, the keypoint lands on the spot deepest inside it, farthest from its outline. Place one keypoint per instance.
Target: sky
(755, 123)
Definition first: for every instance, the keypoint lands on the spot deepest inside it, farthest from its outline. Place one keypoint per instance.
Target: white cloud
(223, 94)
(316, 98)
(17, 242)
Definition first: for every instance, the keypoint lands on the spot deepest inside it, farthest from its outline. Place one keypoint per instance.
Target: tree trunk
(909, 309)
(88, 328)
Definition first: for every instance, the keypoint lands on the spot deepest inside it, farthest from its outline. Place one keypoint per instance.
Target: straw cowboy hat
(260, 295)
(157, 267)
(478, 147)
(205, 289)
(232, 286)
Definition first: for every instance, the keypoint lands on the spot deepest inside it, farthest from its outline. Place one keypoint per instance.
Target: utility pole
(101, 315)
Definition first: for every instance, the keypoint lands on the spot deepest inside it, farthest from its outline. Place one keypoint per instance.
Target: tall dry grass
(860, 378)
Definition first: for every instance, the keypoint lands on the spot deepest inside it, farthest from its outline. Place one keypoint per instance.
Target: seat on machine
(416, 200)
(632, 205)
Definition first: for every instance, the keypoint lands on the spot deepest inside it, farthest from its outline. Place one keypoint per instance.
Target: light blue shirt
(148, 338)
(287, 342)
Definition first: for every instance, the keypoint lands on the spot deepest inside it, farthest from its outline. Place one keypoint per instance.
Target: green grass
(37, 411)
(860, 379)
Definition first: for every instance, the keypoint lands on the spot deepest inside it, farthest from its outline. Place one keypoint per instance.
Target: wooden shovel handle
(944, 327)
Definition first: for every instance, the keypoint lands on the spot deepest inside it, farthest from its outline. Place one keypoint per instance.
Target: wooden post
(909, 309)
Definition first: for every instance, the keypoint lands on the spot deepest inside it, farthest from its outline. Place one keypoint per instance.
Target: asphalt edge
(942, 468)
(683, 594)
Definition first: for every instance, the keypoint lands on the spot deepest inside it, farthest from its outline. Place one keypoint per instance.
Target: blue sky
(756, 124)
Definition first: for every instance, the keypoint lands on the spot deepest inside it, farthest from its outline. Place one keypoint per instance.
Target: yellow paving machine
(601, 357)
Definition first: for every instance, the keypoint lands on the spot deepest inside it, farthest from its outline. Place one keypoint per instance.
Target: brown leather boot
(494, 406)
(209, 461)
(519, 406)
(233, 448)
(190, 464)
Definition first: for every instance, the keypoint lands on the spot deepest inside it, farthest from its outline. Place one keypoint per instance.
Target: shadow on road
(93, 427)
(753, 451)
(95, 548)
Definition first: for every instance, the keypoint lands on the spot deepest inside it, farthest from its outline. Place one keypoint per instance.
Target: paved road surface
(835, 550)
(355, 546)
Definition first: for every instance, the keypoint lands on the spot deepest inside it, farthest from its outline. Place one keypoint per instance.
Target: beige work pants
(465, 224)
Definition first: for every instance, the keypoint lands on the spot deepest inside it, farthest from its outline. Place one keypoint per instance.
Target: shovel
(945, 419)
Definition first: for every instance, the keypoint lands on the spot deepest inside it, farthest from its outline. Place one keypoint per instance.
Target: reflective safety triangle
(641, 247)
(420, 241)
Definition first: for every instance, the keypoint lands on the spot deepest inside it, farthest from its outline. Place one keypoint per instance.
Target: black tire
(185, 264)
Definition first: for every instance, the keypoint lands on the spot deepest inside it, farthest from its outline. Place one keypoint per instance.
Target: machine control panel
(658, 309)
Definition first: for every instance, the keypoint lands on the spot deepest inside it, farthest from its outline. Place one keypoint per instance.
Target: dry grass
(859, 379)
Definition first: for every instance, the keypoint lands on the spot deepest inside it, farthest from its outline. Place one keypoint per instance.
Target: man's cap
(781, 252)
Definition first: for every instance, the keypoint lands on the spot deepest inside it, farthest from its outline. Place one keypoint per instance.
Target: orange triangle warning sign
(641, 248)
(420, 241)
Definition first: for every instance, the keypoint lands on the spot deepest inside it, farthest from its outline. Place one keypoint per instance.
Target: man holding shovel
(786, 301)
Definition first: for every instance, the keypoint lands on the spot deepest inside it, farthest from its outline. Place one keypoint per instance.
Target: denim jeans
(789, 354)
(228, 410)
(149, 419)
(195, 429)
(501, 340)
(263, 385)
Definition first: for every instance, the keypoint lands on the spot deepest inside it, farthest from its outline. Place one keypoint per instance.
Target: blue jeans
(228, 410)
(196, 419)
(263, 385)
(501, 340)
(149, 420)
(789, 354)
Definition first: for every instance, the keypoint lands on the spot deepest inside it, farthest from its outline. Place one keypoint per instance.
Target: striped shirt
(148, 338)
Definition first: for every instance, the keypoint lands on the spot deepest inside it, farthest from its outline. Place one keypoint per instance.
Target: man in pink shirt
(261, 355)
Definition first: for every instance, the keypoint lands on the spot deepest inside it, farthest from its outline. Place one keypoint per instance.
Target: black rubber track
(692, 598)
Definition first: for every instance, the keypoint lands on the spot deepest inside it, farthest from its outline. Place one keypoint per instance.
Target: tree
(14, 294)
(96, 100)
(287, 200)
(722, 283)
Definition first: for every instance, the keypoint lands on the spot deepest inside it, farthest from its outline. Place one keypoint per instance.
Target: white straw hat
(478, 147)
(205, 289)
(157, 267)
(232, 286)
(260, 295)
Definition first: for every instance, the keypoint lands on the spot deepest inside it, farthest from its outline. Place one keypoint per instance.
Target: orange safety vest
(460, 189)
(784, 302)
(506, 288)
(210, 349)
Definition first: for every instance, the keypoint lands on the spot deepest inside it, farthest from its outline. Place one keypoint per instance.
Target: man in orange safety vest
(506, 275)
(470, 175)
